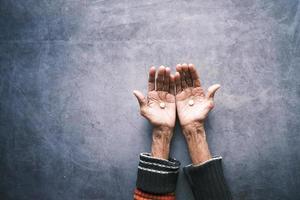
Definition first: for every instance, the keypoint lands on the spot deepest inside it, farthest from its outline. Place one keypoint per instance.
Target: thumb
(212, 90)
(140, 97)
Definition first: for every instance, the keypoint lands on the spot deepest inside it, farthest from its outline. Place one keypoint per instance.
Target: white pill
(191, 102)
(162, 105)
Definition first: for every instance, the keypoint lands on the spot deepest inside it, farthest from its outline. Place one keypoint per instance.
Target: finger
(151, 79)
(167, 79)
(178, 83)
(140, 97)
(212, 90)
(194, 75)
(160, 78)
(187, 75)
(182, 76)
(172, 84)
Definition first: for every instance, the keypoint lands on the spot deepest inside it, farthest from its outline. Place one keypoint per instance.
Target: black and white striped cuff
(157, 176)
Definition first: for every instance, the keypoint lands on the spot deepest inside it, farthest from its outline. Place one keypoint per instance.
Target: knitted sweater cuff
(157, 176)
(207, 180)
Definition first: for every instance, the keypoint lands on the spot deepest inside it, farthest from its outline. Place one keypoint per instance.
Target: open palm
(159, 106)
(193, 105)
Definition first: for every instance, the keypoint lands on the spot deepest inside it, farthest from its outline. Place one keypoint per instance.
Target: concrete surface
(69, 124)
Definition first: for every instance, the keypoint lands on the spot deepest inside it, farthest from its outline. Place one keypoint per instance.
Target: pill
(162, 105)
(191, 102)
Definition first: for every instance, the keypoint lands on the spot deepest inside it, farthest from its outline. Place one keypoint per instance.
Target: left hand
(160, 109)
(159, 106)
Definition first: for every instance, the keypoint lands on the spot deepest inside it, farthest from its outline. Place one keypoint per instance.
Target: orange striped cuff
(139, 195)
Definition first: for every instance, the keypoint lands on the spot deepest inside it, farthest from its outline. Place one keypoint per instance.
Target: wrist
(196, 140)
(161, 139)
(195, 127)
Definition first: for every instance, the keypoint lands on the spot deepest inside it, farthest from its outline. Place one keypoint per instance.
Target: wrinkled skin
(188, 88)
(160, 90)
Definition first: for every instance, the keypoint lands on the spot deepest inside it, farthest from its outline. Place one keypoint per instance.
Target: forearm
(157, 172)
(161, 139)
(205, 175)
(196, 140)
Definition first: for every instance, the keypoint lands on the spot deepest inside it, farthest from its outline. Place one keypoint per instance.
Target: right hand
(191, 117)
(188, 88)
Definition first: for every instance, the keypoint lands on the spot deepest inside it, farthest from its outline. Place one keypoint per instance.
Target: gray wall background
(70, 126)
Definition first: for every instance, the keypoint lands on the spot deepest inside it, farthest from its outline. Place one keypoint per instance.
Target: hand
(193, 106)
(189, 90)
(160, 109)
(159, 106)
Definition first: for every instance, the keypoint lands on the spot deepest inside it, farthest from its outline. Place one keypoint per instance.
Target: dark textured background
(70, 127)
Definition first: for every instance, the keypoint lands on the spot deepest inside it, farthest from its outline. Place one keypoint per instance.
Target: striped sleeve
(139, 195)
(157, 177)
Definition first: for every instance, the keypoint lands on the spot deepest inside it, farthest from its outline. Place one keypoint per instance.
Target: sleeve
(156, 178)
(207, 180)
